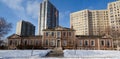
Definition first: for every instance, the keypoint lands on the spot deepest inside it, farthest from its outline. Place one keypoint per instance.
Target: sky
(28, 10)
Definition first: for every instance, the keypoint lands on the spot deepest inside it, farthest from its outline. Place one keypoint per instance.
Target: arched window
(108, 43)
(102, 43)
(92, 43)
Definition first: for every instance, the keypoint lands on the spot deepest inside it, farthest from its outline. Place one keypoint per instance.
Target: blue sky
(15, 10)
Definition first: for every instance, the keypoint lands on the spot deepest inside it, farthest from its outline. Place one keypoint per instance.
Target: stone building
(116, 44)
(58, 37)
(24, 42)
(94, 42)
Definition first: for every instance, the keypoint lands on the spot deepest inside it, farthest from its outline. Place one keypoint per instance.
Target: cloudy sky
(15, 10)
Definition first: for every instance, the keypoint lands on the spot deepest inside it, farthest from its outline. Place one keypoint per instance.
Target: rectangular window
(46, 42)
(64, 43)
(69, 33)
(81, 43)
(64, 33)
(52, 42)
(86, 42)
(58, 34)
(47, 33)
(52, 33)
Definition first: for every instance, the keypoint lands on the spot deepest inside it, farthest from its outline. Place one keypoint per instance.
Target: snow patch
(92, 53)
(22, 53)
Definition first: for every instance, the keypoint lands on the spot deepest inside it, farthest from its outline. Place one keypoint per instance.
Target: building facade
(90, 22)
(58, 37)
(24, 42)
(94, 42)
(25, 28)
(114, 17)
(48, 16)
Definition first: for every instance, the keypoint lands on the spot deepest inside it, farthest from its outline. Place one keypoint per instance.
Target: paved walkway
(56, 52)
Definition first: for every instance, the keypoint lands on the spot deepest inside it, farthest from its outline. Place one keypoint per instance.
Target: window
(92, 43)
(102, 43)
(52, 42)
(37, 42)
(80, 42)
(25, 42)
(10, 42)
(58, 34)
(46, 42)
(86, 43)
(64, 43)
(15, 42)
(31, 42)
(69, 33)
(52, 33)
(108, 43)
(64, 33)
(46, 33)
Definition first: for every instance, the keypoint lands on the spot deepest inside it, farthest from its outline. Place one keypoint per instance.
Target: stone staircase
(56, 52)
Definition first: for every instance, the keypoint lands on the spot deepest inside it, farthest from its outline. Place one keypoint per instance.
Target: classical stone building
(24, 42)
(116, 44)
(58, 37)
(94, 42)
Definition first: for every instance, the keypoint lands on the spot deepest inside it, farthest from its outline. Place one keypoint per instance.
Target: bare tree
(5, 27)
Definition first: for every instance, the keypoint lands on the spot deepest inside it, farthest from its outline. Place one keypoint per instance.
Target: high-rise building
(25, 28)
(114, 17)
(90, 22)
(48, 16)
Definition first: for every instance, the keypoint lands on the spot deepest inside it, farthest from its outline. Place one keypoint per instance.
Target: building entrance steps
(56, 52)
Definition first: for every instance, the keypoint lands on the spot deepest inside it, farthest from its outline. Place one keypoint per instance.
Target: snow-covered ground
(68, 54)
(92, 54)
(22, 53)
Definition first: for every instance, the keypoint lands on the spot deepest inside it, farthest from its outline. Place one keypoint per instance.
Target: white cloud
(14, 4)
(33, 8)
(29, 9)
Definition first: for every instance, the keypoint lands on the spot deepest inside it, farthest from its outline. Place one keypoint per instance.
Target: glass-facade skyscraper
(48, 16)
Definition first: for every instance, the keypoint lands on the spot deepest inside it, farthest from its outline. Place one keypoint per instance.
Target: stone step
(56, 52)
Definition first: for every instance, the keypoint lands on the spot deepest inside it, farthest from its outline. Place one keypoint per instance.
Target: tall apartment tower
(48, 16)
(25, 28)
(114, 17)
(90, 22)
